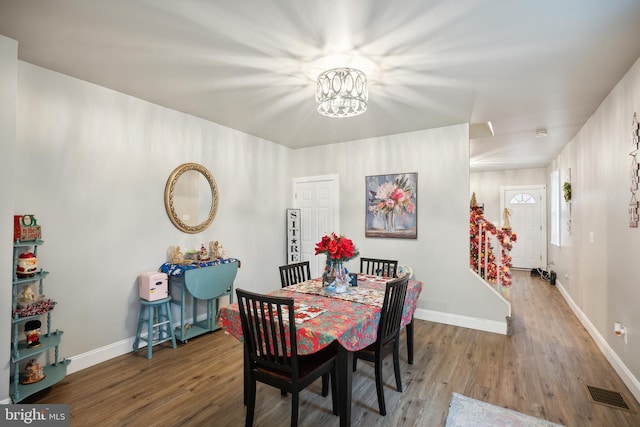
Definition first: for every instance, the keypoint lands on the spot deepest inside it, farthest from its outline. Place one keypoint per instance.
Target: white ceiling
(251, 64)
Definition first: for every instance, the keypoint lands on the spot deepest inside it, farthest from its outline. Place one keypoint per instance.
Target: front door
(318, 201)
(527, 208)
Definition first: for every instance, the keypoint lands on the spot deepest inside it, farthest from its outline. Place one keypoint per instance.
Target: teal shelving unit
(47, 352)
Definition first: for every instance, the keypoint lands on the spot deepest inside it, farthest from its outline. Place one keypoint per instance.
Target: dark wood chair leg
(396, 362)
(409, 329)
(250, 395)
(379, 385)
(295, 402)
(246, 376)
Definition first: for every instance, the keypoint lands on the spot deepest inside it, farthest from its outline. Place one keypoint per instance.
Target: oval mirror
(191, 198)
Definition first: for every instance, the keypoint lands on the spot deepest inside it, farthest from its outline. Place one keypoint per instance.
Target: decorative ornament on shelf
(33, 372)
(26, 228)
(32, 333)
(204, 253)
(215, 250)
(566, 189)
(338, 250)
(27, 265)
(175, 255)
(28, 298)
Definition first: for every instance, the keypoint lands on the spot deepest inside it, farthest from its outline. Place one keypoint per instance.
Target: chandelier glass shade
(342, 92)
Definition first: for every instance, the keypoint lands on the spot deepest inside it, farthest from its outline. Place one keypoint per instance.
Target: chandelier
(342, 92)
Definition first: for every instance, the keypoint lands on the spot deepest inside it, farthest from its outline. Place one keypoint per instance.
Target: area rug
(467, 412)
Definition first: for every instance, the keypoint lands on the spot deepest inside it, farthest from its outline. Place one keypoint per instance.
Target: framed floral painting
(392, 206)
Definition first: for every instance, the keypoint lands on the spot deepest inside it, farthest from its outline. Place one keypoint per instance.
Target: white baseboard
(99, 355)
(463, 321)
(625, 374)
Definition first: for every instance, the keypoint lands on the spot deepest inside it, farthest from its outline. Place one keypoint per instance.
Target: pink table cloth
(353, 324)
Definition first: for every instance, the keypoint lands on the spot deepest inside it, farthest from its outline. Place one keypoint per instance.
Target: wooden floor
(541, 370)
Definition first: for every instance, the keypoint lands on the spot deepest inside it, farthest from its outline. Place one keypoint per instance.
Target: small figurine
(215, 249)
(32, 332)
(33, 372)
(175, 256)
(27, 265)
(27, 295)
(204, 254)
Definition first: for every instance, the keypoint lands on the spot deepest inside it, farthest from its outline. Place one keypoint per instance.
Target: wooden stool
(158, 315)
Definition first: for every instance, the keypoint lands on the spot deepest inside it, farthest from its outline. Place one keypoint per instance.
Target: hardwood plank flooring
(542, 370)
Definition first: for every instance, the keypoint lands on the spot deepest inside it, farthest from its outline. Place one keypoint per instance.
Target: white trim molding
(462, 321)
(618, 365)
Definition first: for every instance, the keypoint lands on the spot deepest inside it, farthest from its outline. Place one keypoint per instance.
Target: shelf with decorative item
(52, 374)
(33, 310)
(28, 243)
(46, 342)
(34, 278)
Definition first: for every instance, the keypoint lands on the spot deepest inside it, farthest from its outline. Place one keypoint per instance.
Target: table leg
(409, 328)
(345, 376)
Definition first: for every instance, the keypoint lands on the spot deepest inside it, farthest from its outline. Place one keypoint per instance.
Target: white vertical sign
(293, 236)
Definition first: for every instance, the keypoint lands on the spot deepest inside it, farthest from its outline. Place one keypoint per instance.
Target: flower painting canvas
(392, 206)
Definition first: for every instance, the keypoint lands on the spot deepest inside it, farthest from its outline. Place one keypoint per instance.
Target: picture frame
(392, 205)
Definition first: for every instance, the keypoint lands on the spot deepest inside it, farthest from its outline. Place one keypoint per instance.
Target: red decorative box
(25, 228)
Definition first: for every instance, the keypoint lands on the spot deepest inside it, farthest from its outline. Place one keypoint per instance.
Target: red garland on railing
(506, 237)
(482, 259)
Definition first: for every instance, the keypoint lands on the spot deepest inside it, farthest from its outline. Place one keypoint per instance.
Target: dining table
(323, 316)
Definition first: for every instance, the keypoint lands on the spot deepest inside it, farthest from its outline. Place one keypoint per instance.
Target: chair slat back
(392, 307)
(268, 326)
(294, 273)
(379, 267)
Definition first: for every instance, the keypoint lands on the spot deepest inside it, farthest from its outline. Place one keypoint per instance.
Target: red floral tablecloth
(353, 324)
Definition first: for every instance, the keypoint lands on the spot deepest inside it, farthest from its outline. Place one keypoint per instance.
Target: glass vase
(340, 277)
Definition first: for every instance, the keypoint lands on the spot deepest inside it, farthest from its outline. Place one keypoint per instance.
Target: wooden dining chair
(294, 273)
(388, 268)
(388, 337)
(379, 267)
(268, 323)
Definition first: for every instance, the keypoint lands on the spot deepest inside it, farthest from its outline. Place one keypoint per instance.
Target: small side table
(157, 316)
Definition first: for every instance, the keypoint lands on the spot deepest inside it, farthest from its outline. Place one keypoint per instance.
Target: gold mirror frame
(169, 198)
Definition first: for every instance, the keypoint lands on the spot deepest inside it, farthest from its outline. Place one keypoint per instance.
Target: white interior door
(527, 206)
(318, 201)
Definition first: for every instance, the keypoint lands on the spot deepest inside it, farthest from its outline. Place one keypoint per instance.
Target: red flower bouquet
(336, 248)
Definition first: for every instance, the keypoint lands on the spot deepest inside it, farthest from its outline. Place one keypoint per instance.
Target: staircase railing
(484, 236)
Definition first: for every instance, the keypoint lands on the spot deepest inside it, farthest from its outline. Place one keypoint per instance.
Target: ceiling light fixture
(541, 133)
(342, 92)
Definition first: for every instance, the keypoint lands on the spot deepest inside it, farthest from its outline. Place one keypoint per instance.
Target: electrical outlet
(620, 330)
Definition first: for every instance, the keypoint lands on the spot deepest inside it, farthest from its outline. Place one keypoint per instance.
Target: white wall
(600, 279)
(486, 185)
(440, 255)
(8, 91)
